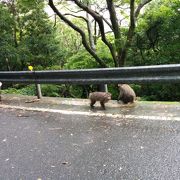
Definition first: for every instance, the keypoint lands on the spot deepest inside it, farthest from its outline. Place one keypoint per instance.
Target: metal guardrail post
(103, 87)
(38, 91)
(38, 87)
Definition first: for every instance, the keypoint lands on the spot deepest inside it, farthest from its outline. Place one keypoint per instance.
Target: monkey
(126, 94)
(103, 97)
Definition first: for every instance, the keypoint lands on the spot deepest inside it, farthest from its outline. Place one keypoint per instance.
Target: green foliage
(137, 89)
(103, 53)
(69, 41)
(28, 90)
(27, 36)
(10, 91)
(7, 49)
(40, 39)
(76, 91)
(55, 67)
(81, 60)
(113, 89)
(157, 42)
(26, 4)
(157, 36)
(161, 92)
(50, 90)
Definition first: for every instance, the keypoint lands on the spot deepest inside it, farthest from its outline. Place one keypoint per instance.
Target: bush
(28, 90)
(50, 90)
(161, 92)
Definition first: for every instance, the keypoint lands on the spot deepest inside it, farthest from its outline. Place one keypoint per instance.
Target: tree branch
(140, 6)
(106, 21)
(81, 17)
(132, 18)
(89, 26)
(76, 28)
(129, 35)
(114, 20)
(91, 40)
(55, 20)
(99, 20)
(73, 11)
(90, 33)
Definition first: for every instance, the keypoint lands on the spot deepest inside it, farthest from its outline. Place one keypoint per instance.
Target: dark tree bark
(99, 19)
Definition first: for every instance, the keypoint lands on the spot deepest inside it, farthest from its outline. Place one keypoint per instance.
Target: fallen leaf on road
(51, 129)
(89, 142)
(4, 140)
(22, 115)
(66, 163)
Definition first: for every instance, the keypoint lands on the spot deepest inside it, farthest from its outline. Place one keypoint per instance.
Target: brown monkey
(103, 97)
(126, 94)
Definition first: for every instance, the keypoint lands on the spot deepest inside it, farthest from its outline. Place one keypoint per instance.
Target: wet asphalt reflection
(42, 145)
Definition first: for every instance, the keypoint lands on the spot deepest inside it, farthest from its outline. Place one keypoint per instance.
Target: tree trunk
(8, 65)
(103, 88)
(122, 57)
(90, 31)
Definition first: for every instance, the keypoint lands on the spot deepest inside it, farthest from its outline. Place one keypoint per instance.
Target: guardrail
(138, 74)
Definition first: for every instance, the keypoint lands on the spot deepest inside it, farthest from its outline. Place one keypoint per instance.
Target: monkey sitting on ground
(103, 97)
(126, 94)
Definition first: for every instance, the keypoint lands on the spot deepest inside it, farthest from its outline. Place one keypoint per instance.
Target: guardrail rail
(138, 74)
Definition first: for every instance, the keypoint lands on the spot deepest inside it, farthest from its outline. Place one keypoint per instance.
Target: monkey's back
(100, 96)
(127, 93)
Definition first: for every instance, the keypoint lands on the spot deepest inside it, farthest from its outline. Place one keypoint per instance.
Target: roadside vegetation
(31, 36)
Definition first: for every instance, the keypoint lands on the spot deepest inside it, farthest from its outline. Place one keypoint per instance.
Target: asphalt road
(42, 145)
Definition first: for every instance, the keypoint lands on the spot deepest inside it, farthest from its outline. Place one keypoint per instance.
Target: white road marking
(90, 113)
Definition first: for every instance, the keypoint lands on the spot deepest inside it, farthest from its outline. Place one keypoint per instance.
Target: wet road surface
(43, 145)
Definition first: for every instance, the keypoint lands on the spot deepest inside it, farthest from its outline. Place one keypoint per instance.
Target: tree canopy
(102, 14)
(27, 36)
